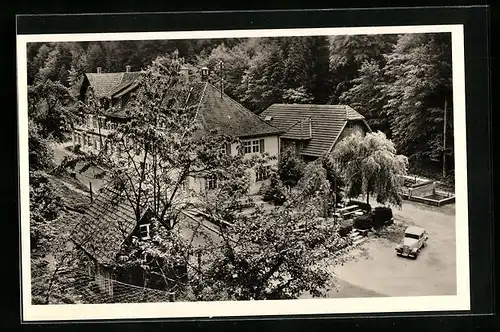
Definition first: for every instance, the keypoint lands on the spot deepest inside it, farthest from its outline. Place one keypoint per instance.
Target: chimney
(127, 68)
(99, 70)
(204, 74)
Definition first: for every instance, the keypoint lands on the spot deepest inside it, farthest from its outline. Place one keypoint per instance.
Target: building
(313, 130)
(109, 223)
(215, 110)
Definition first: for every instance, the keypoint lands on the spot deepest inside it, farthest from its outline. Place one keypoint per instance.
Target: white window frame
(247, 147)
(252, 146)
(148, 236)
(255, 146)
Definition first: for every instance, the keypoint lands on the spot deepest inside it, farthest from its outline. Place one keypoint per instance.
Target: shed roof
(327, 122)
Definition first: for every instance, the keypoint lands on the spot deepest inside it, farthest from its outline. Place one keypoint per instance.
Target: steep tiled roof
(301, 130)
(327, 122)
(107, 222)
(104, 83)
(126, 84)
(224, 113)
(215, 111)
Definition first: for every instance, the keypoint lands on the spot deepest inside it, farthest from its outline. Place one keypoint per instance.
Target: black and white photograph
(234, 173)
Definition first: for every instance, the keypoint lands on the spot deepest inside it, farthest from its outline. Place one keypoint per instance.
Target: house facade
(313, 130)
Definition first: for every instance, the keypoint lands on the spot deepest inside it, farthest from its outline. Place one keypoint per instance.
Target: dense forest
(402, 84)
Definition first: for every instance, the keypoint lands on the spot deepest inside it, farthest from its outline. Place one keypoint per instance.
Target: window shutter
(262, 150)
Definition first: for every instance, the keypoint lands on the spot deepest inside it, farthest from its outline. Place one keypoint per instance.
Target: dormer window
(268, 118)
(144, 232)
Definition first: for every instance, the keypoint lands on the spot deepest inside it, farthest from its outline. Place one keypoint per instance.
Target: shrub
(346, 227)
(363, 206)
(273, 192)
(381, 216)
(363, 222)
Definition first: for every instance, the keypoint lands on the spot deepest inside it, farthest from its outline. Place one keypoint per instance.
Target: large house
(313, 130)
(216, 110)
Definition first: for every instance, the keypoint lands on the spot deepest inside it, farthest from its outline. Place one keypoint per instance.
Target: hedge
(363, 222)
(363, 206)
(382, 216)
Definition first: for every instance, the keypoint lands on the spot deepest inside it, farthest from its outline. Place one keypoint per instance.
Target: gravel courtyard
(375, 270)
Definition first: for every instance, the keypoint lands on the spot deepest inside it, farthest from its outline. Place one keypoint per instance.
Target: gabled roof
(107, 223)
(108, 84)
(327, 122)
(219, 111)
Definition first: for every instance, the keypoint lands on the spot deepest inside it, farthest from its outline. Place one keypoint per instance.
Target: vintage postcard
(243, 173)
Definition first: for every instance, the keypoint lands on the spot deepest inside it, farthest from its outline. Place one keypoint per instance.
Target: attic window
(268, 118)
(144, 232)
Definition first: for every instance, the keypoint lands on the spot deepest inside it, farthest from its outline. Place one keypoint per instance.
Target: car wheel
(424, 244)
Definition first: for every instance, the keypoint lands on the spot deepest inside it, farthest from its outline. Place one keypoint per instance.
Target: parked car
(414, 240)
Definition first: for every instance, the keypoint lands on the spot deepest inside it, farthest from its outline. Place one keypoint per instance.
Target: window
(253, 146)
(262, 173)
(91, 120)
(89, 140)
(226, 149)
(144, 231)
(412, 236)
(96, 144)
(211, 182)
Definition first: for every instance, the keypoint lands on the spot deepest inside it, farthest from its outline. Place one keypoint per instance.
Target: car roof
(414, 230)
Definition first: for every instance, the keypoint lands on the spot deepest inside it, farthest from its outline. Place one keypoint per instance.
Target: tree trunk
(367, 197)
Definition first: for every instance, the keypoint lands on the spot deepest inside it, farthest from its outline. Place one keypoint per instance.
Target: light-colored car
(414, 240)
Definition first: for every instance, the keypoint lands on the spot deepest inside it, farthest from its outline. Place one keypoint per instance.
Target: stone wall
(423, 189)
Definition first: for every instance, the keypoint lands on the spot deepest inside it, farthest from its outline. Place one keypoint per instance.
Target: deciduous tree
(370, 165)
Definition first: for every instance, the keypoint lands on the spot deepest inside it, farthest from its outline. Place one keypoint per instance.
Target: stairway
(356, 237)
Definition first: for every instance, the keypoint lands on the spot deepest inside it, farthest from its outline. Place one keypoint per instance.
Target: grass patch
(392, 233)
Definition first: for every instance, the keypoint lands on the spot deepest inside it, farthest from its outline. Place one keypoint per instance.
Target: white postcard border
(459, 302)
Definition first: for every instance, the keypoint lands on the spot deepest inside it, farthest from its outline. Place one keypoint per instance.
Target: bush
(346, 227)
(363, 206)
(381, 216)
(273, 192)
(363, 222)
